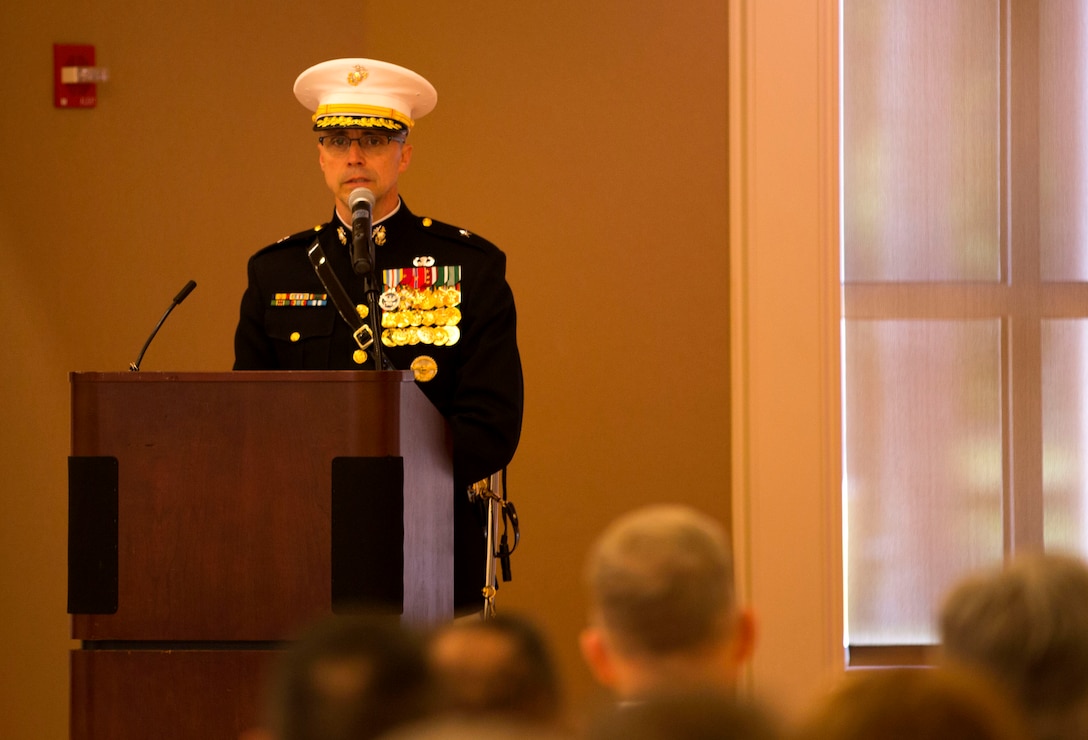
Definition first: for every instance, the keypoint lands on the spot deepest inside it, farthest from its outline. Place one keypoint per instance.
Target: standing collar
(336, 215)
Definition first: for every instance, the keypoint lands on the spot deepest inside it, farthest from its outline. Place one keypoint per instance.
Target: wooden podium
(213, 515)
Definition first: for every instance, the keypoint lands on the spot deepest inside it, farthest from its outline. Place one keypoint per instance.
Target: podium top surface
(248, 376)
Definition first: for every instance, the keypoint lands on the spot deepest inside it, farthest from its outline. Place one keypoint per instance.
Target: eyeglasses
(340, 145)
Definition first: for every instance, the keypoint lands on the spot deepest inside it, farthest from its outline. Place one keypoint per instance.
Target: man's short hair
(686, 715)
(350, 678)
(1026, 624)
(501, 666)
(908, 703)
(661, 580)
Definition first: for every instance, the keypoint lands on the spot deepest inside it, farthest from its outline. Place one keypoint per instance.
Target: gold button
(424, 368)
(359, 356)
(427, 222)
(295, 336)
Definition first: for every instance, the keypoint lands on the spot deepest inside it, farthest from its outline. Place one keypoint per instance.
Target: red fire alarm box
(70, 88)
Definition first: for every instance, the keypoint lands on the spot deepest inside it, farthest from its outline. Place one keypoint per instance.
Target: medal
(420, 306)
(389, 300)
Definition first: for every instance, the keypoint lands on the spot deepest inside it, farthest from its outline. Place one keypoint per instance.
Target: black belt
(361, 331)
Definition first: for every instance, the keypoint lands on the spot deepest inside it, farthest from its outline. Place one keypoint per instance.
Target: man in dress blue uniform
(447, 312)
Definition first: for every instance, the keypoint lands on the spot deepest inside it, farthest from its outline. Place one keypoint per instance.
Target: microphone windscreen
(360, 194)
(184, 292)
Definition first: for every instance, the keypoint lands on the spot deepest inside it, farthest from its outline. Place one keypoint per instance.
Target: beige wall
(586, 139)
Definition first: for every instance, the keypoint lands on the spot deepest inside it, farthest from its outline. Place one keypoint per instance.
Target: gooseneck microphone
(361, 202)
(181, 296)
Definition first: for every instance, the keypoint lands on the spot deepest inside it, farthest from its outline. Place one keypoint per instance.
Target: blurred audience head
(486, 727)
(500, 666)
(349, 678)
(691, 715)
(1025, 623)
(663, 612)
(912, 703)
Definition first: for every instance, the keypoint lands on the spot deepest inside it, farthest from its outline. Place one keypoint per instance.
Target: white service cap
(364, 93)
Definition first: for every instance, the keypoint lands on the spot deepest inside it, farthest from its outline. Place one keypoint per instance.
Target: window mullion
(1022, 361)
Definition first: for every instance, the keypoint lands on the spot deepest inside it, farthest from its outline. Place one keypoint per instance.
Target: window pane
(1065, 434)
(1063, 151)
(923, 485)
(921, 122)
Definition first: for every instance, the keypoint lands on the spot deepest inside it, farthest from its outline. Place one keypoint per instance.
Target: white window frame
(784, 322)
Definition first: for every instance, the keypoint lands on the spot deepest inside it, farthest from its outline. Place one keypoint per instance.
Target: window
(965, 297)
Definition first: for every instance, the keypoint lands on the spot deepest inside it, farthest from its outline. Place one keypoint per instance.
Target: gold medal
(453, 334)
(440, 337)
(424, 368)
(359, 356)
(426, 335)
(387, 338)
(454, 317)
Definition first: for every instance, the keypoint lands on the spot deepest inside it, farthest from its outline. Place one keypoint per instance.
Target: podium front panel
(224, 503)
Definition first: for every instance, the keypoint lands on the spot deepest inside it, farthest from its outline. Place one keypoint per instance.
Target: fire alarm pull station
(74, 76)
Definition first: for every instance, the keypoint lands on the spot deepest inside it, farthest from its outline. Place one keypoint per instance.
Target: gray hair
(1026, 624)
(661, 580)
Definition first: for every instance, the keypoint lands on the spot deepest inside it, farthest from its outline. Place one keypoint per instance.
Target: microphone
(361, 201)
(181, 296)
